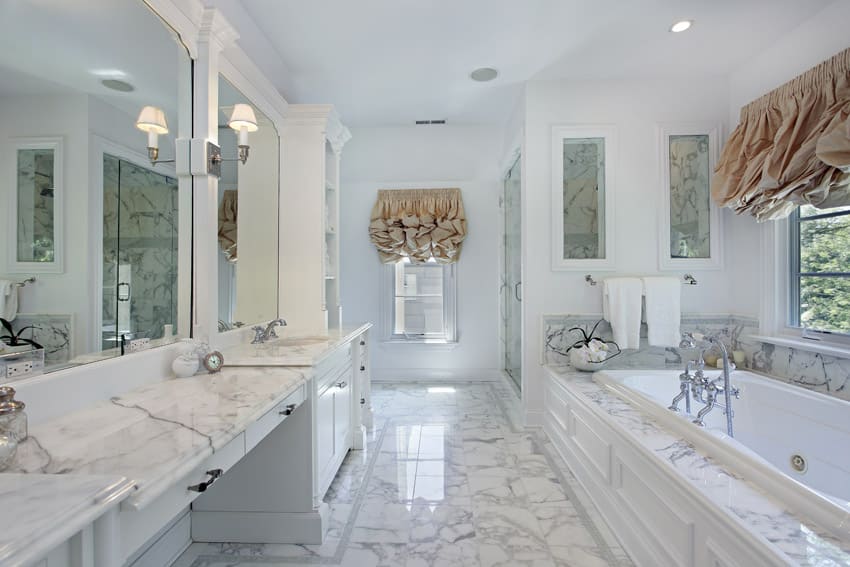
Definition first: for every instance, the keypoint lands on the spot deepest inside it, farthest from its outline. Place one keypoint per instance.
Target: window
(819, 283)
(423, 298)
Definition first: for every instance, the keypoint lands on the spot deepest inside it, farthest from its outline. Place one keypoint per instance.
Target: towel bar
(689, 279)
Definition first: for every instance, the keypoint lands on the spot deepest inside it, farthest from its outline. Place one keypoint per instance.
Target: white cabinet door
(342, 413)
(325, 429)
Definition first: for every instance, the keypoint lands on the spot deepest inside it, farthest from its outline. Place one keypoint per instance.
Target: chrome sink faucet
(262, 335)
(705, 390)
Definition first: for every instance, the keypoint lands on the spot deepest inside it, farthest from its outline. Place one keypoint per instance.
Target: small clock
(213, 361)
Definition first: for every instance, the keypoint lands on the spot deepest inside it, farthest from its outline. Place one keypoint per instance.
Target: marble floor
(447, 479)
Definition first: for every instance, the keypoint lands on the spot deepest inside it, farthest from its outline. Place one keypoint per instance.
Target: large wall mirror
(582, 197)
(248, 211)
(98, 234)
(690, 234)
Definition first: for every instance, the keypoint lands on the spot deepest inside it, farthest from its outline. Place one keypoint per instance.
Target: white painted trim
(57, 266)
(665, 262)
(821, 347)
(436, 375)
(566, 131)
(166, 546)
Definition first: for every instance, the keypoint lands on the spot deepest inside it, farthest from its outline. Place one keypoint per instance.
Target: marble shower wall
(140, 223)
(825, 374)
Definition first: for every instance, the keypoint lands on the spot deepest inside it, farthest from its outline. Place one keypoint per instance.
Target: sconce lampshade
(152, 120)
(243, 117)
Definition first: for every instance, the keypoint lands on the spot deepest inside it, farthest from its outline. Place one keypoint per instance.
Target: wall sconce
(152, 120)
(243, 120)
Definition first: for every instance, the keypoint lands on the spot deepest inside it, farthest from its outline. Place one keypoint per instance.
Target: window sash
(796, 275)
(448, 295)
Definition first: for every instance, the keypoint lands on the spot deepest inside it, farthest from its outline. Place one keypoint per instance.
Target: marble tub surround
(814, 371)
(53, 332)
(794, 539)
(446, 480)
(156, 434)
(48, 509)
(291, 348)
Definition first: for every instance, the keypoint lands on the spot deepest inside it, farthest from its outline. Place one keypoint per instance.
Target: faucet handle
(259, 335)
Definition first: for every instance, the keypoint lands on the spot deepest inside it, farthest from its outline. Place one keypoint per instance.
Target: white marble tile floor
(447, 480)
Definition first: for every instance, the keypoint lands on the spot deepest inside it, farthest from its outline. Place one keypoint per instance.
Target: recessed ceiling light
(681, 26)
(116, 85)
(484, 74)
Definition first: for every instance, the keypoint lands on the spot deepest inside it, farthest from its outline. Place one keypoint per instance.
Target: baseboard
(167, 545)
(260, 527)
(436, 374)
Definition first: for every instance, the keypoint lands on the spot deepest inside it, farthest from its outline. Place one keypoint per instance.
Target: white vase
(578, 362)
(185, 365)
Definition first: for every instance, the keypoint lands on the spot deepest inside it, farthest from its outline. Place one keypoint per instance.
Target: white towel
(621, 302)
(663, 310)
(8, 300)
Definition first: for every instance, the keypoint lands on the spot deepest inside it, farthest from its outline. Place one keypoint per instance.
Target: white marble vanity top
(803, 543)
(291, 349)
(42, 511)
(157, 434)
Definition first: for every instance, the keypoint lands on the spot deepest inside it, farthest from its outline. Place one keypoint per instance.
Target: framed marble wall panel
(583, 197)
(36, 233)
(690, 232)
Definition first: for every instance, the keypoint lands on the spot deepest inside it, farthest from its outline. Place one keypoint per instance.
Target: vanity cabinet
(312, 139)
(333, 386)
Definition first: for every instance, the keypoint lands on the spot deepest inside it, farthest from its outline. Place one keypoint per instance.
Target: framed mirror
(583, 197)
(99, 232)
(248, 212)
(690, 232)
(35, 223)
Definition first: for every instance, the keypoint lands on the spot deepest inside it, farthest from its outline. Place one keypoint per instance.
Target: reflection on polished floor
(446, 480)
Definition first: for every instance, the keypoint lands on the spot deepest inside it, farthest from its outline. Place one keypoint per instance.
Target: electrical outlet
(18, 370)
(139, 344)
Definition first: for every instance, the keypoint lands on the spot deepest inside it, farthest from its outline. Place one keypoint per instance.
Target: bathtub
(787, 440)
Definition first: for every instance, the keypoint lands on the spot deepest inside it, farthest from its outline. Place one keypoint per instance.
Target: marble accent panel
(584, 190)
(814, 371)
(53, 332)
(690, 235)
(35, 215)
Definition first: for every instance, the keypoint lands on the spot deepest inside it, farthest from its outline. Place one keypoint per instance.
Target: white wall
(428, 157)
(634, 107)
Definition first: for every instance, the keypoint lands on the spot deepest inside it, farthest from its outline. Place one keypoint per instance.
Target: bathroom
(289, 283)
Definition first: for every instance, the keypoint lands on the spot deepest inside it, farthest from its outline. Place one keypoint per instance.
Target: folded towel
(663, 310)
(621, 303)
(8, 300)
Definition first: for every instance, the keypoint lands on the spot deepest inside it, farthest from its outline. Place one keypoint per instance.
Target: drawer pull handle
(362, 343)
(362, 401)
(341, 385)
(362, 369)
(214, 475)
(289, 409)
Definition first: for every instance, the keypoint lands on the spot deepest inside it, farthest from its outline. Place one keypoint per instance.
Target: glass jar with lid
(13, 418)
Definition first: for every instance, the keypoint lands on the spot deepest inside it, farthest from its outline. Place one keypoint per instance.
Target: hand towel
(663, 310)
(8, 300)
(621, 303)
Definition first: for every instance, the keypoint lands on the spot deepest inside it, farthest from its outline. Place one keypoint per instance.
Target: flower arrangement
(14, 339)
(590, 352)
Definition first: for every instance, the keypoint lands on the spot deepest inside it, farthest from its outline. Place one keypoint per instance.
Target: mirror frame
(567, 132)
(665, 261)
(57, 266)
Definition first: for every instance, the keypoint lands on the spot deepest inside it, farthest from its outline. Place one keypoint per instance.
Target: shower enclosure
(140, 236)
(512, 276)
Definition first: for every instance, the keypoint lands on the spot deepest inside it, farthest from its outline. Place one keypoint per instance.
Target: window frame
(791, 297)
(387, 290)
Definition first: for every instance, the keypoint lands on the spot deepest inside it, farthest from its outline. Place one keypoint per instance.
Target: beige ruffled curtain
(791, 147)
(419, 224)
(227, 215)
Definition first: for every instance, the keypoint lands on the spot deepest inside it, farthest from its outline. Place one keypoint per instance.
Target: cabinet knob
(341, 385)
(362, 401)
(362, 343)
(289, 409)
(214, 475)
(362, 369)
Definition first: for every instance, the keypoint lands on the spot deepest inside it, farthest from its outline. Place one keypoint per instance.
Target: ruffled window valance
(791, 147)
(419, 224)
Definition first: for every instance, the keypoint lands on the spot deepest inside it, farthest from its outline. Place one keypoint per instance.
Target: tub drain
(798, 463)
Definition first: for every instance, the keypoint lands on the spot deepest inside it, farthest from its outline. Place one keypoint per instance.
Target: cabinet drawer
(330, 368)
(274, 417)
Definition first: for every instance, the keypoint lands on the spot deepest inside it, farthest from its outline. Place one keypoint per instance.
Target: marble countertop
(48, 509)
(800, 541)
(156, 434)
(291, 350)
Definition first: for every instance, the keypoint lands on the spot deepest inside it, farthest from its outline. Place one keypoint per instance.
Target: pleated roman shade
(791, 147)
(418, 224)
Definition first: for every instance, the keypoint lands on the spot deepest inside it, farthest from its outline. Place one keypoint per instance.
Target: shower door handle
(516, 291)
(123, 291)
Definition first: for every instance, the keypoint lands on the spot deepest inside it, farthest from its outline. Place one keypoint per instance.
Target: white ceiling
(384, 62)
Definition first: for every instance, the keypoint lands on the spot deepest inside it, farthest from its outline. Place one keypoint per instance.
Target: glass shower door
(140, 236)
(513, 274)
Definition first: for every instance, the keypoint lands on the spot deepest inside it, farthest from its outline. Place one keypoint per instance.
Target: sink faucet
(261, 335)
(706, 390)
